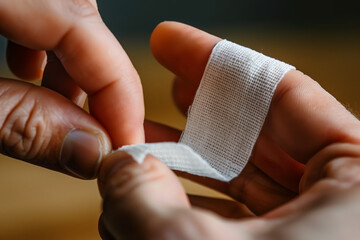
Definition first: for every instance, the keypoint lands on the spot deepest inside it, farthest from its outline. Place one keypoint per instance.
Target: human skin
(44, 125)
(309, 144)
(302, 181)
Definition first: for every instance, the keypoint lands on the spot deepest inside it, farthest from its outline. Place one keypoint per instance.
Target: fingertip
(159, 35)
(110, 165)
(182, 49)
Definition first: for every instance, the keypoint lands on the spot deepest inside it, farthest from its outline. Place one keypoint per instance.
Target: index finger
(89, 52)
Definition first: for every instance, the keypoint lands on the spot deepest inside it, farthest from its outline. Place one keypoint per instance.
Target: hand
(83, 59)
(304, 170)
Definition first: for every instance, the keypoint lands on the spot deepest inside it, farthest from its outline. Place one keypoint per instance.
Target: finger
(298, 119)
(120, 170)
(90, 54)
(338, 162)
(57, 79)
(137, 195)
(183, 93)
(252, 187)
(156, 132)
(304, 118)
(327, 190)
(267, 155)
(257, 191)
(188, 49)
(186, 54)
(41, 127)
(25, 63)
(225, 208)
(29, 64)
(275, 163)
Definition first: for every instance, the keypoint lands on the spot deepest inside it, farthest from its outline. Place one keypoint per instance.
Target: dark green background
(139, 17)
(136, 18)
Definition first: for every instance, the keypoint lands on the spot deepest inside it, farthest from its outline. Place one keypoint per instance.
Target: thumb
(42, 127)
(138, 198)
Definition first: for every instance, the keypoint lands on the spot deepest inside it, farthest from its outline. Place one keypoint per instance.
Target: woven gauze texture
(227, 114)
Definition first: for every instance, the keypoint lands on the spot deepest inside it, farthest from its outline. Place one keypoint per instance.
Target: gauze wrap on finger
(226, 117)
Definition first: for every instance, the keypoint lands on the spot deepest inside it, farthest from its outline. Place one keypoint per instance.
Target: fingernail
(81, 153)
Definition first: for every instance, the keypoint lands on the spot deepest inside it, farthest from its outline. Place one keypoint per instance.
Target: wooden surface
(39, 204)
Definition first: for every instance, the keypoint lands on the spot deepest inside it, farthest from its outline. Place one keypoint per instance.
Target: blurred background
(321, 38)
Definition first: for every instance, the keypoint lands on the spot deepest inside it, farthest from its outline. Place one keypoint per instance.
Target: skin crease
(306, 130)
(301, 182)
(73, 30)
(65, 34)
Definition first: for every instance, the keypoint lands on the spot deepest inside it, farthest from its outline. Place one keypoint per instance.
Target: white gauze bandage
(226, 117)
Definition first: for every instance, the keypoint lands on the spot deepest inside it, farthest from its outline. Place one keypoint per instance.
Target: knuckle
(344, 169)
(22, 131)
(338, 162)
